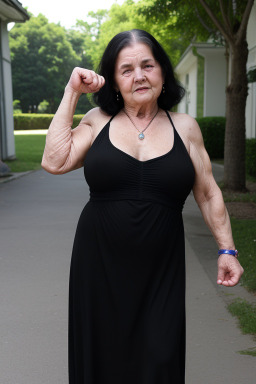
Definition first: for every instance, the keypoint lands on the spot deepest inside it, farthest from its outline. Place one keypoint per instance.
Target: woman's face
(138, 76)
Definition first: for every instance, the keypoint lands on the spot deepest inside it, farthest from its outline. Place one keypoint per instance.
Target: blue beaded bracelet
(228, 252)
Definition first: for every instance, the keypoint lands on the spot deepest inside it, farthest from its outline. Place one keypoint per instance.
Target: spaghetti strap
(169, 116)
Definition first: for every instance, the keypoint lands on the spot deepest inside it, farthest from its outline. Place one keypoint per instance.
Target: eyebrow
(127, 65)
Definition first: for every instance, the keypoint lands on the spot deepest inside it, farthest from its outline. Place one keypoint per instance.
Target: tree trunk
(236, 94)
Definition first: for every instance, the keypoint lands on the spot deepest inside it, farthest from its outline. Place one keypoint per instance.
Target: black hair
(106, 98)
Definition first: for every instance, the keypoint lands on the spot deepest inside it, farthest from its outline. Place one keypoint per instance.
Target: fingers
(229, 271)
(221, 275)
(92, 80)
(85, 81)
(229, 281)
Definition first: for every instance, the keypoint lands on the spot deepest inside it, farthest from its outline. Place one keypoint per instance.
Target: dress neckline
(134, 158)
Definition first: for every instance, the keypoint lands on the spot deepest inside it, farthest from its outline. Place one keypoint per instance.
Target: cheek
(125, 85)
(159, 83)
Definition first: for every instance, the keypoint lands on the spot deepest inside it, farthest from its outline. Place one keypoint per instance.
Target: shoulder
(187, 126)
(188, 130)
(95, 117)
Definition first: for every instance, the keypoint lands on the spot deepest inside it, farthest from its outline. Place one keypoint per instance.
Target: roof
(12, 11)
(201, 48)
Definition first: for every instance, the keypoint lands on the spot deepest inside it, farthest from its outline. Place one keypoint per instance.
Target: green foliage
(42, 60)
(31, 121)
(80, 39)
(89, 31)
(106, 24)
(16, 106)
(251, 75)
(193, 22)
(249, 351)
(213, 131)
(251, 157)
(43, 107)
(187, 14)
(244, 233)
(246, 314)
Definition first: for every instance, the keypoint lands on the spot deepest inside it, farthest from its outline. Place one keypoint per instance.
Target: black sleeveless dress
(127, 276)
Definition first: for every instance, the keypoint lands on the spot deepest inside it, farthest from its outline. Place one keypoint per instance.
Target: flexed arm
(65, 148)
(210, 201)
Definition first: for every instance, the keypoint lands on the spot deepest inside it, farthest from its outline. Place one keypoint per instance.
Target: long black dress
(127, 277)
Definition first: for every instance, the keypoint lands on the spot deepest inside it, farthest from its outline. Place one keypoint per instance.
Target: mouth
(141, 89)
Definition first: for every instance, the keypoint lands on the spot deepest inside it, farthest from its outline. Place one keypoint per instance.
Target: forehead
(136, 51)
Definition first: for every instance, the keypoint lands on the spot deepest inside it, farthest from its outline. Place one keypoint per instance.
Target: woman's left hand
(229, 270)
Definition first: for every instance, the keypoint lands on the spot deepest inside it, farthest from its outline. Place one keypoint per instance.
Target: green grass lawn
(246, 314)
(244, 233)
(29, 151)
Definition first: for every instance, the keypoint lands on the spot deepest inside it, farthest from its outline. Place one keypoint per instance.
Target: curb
(14, 176)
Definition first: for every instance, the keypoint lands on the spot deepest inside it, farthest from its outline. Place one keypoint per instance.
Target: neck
(141, 112)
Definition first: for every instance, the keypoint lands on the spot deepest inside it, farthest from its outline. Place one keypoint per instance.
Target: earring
(163, 89)
(117, 97)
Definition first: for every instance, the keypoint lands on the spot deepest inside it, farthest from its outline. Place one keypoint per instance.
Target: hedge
(251, 157)
(213, 131)
(28, 121)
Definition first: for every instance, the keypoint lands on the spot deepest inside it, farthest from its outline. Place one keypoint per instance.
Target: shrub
(43, 107)
(29, 121)
(251, 157)
(16, 106)
(213, 131)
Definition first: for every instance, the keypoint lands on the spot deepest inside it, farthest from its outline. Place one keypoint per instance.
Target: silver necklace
(141, 134)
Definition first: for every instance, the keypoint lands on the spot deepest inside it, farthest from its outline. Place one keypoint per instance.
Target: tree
(106, 24)
(79, 41)
(42, 60)
(224, 20)
(233, 28)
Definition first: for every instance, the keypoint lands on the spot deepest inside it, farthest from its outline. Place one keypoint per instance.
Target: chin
(145, 98)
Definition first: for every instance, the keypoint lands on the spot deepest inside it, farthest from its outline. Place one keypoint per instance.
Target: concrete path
(39, 214)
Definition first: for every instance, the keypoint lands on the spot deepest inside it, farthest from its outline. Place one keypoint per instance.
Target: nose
(139, 76)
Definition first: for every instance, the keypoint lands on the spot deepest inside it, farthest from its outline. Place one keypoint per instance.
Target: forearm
(59, 137)
(217, 219)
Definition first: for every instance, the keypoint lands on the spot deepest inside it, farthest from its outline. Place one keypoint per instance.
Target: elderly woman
(127, 277)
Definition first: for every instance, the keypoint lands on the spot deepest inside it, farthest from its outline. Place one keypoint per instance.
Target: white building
(10, 11)
(202, 70)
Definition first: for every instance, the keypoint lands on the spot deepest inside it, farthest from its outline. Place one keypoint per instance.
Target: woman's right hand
(85, 81)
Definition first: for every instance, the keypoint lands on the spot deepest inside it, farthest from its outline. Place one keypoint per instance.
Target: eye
(127, 72)
(148, 66)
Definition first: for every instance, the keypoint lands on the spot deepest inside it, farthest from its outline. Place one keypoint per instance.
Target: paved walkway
(39, 213)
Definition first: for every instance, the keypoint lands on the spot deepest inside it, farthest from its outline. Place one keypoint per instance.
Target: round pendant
(141, 136)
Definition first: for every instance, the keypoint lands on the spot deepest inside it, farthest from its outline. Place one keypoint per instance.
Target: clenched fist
(229, 270)
(85, 81)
